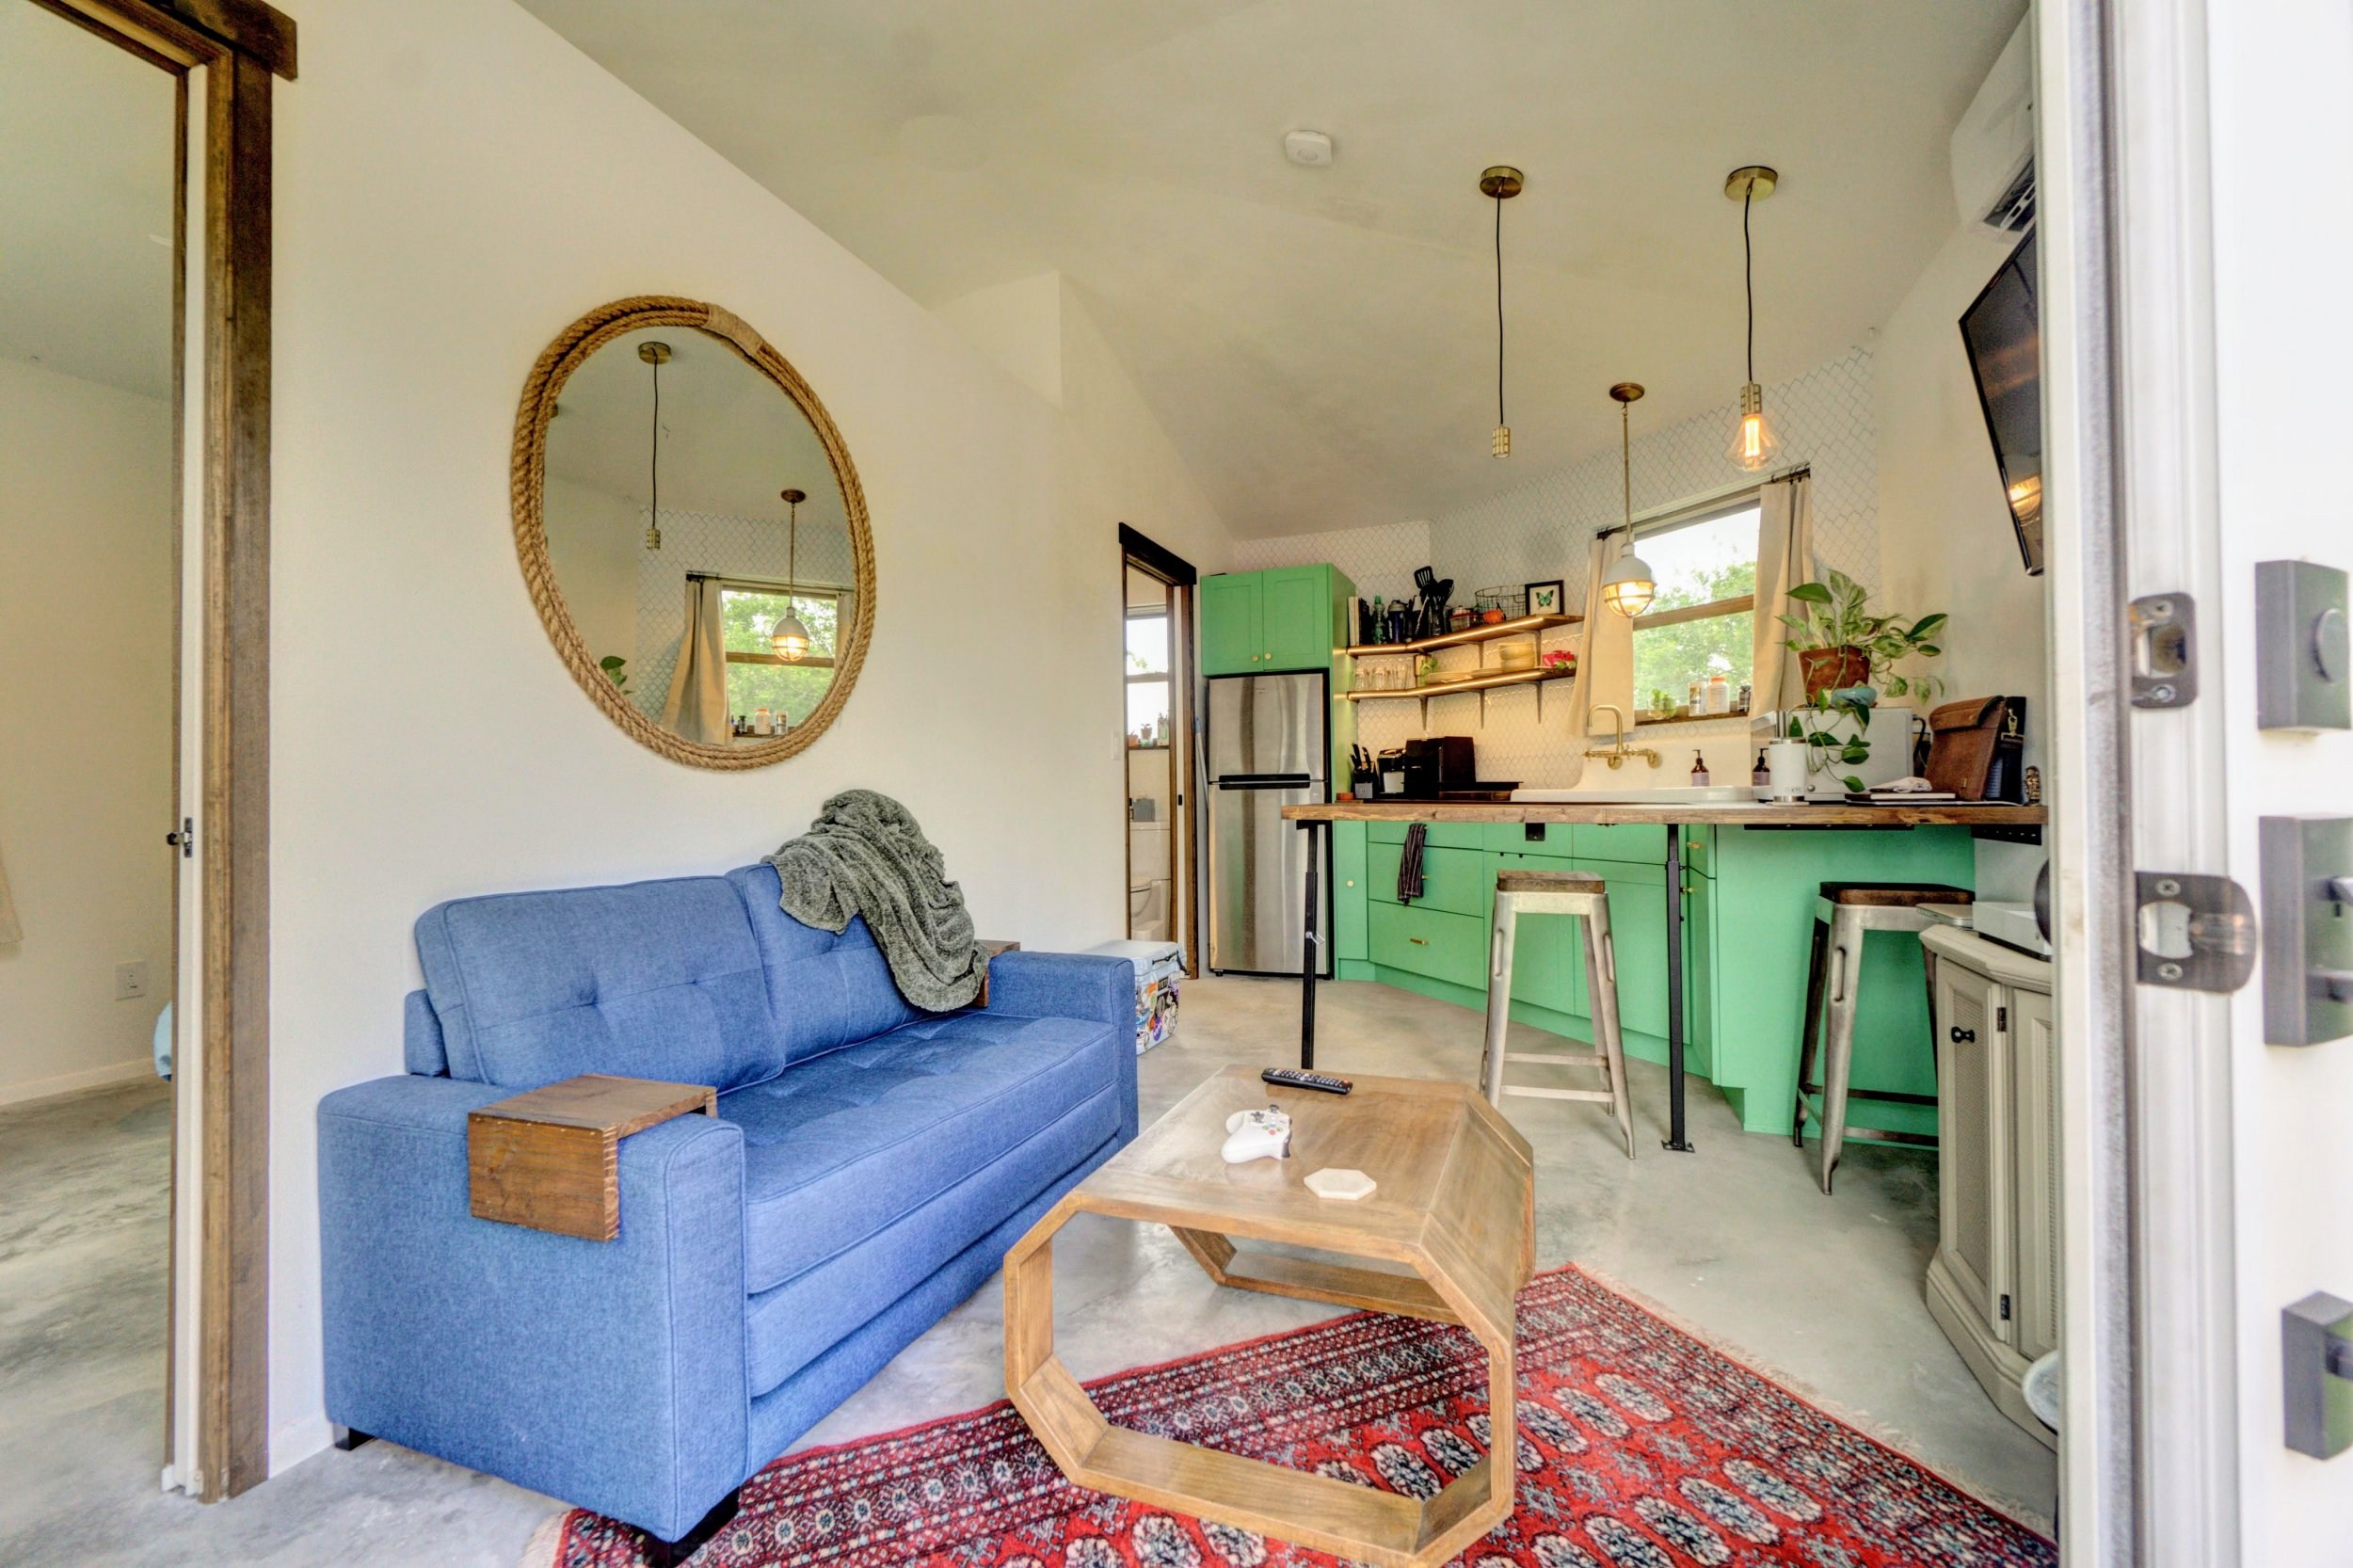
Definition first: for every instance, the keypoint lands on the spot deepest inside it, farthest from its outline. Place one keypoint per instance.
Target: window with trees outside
(1701, 620)
(1148, 677)
(756, 676)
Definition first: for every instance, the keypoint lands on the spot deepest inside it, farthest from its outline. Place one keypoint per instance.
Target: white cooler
(1158, 968)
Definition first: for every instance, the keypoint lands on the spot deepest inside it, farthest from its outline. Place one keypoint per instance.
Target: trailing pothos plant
(1835, 623)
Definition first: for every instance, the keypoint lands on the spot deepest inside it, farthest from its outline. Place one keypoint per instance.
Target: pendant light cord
(1499, 418)
(1626, 463)
(792, 555)
(1748, 274)
(654, 448)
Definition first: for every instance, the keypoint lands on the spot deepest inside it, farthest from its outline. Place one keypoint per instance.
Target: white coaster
(1341, 1185)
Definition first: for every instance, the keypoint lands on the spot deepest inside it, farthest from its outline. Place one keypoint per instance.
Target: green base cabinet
(1748, 895)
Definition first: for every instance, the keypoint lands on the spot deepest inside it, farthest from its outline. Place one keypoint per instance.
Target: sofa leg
(346, 1439)
(673, 1554)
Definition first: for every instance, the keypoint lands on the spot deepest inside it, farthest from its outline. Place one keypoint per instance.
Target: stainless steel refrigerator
(1268, 748)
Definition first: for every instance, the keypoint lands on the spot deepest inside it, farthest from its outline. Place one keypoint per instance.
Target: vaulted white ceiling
(1320, 343)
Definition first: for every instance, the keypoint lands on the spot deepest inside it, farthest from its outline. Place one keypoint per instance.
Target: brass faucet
(1617, 751)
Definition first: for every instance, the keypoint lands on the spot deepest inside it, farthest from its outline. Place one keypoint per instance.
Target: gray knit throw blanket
(865, 856)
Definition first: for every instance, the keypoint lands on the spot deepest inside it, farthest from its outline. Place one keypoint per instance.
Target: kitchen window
(1702, 621)
(756, 676)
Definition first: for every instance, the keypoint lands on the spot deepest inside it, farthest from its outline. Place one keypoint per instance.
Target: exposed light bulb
(789, 640)
(1503, 443)
(1753, 443)
(1628, 586)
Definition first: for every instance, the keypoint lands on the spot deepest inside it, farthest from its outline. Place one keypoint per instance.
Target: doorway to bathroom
(1157, 674)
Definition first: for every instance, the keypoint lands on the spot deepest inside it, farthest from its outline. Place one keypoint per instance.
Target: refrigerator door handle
(1266, 781)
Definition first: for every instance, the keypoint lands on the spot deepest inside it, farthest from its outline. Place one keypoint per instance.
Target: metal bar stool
(1842, 914)
(1587, 898)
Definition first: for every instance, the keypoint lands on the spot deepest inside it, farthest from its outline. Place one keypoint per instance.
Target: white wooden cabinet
(1993, 1285)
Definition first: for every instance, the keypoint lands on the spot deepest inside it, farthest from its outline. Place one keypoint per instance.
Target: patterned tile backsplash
(1543, 528)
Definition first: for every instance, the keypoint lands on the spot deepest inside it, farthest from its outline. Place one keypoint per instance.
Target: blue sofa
(868, 1168)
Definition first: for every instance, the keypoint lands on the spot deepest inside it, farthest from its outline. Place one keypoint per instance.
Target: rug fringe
(1883, 1433)
(548, 1540)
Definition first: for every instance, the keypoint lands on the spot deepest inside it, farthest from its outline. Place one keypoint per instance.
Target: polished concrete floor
(1733, 1239)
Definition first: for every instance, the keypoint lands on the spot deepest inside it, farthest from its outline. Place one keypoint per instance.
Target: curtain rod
(1707, 498)
(765, 582)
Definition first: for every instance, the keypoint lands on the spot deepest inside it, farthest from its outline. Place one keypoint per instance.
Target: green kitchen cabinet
(1347, 893)
(1231, 634)
(1748, 902)
(1286, 618)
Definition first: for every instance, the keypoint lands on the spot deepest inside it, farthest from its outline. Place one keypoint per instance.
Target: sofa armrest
(1026, 984)
(610, 1374)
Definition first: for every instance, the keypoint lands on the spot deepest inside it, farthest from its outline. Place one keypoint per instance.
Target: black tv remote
(1294, 1077)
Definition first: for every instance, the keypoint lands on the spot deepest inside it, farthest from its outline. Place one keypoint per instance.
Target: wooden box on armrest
(550, 1159)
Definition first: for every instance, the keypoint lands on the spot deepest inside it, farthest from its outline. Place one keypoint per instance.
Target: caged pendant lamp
(1754, 444)
(1500, 185)
(789, 639)
(657, 355)
(1628, 586)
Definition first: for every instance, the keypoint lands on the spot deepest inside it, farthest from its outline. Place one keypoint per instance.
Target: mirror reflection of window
(668, 468)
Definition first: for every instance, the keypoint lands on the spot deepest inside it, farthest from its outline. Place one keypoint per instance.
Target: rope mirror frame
(527, 486)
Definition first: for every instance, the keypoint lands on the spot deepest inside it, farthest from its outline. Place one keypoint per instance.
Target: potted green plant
(1848, 656)
(1840, 643)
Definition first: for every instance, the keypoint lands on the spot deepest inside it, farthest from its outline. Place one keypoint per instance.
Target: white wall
(455, 183)
(1945, 539)
(593, 542)
(86, 725)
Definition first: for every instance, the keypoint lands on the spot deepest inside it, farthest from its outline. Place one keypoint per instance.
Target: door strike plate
(2195, 933)
(2164, 650)
(2316, 1375)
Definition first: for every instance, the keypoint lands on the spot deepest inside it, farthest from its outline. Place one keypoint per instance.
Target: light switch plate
(130, 980)
(2302, 681)
(2307, 929)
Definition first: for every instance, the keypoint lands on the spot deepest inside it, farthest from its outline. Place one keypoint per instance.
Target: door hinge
(2164, 631)
(2195, 933)
(2006, 1308)
(184, 841)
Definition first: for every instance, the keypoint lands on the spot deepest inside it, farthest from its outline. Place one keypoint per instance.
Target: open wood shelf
(1476, 683)
(1525, 627)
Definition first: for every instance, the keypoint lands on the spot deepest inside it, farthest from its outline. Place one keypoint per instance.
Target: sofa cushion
(824, 991)
(838, 1148)
(650, 980)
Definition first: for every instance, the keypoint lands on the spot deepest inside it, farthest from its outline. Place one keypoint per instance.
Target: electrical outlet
(130, 980)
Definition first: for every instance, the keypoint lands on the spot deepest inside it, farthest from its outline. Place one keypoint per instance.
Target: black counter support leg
(1309, 951)
(1677, 1133)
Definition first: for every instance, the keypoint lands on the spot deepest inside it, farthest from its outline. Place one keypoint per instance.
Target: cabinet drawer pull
(1418, 941)
(1960, 1036)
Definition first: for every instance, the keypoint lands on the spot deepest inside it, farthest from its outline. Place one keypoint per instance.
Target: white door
(2282, 117)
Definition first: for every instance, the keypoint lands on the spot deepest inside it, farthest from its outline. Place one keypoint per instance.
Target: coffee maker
(1438, 763)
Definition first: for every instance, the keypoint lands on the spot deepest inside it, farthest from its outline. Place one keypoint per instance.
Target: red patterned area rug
(1639, 1447)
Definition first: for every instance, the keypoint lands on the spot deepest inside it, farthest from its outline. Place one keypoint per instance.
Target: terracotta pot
(1826, 669)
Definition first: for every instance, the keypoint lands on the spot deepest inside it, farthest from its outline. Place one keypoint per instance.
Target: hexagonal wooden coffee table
(1455, 1203)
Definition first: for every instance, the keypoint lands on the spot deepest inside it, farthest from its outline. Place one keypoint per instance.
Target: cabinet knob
(1960, 1036)
(1352, 881)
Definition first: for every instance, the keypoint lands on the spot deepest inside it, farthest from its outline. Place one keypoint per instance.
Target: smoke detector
(1308, 149)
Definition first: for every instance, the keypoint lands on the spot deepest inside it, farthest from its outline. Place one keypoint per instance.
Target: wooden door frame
(241, 45)
(1137, 549)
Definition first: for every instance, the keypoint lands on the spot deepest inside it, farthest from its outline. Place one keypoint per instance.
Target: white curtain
(1785, 558)
(1605, 660)
(697, 706)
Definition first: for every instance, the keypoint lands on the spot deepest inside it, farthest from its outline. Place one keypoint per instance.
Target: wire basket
(1510, 602)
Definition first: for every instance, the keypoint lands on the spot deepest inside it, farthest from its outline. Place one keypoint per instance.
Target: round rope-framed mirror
(693, 531)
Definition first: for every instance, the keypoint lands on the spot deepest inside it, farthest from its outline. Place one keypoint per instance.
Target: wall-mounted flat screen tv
(2004, 336)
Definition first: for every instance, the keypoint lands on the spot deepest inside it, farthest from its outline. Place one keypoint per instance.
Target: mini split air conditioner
(1994, 144)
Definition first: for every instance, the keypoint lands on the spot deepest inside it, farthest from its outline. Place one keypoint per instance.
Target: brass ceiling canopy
(654, 353)
(1753, 184)
(1627, 392)
(1503, 181)
(791, 498)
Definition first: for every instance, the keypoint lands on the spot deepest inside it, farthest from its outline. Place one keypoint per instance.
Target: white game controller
(1257, 1135)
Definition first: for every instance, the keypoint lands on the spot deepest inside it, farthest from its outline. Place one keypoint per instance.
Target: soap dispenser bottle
(1699, 770)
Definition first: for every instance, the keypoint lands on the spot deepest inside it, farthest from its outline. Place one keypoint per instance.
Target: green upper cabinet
(1258, 622)
(1231, 638)
(1296, 617)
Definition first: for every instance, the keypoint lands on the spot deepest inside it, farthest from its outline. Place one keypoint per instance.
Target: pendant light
(1753, 446)
(1627, 586)
(656, 355)
(1500, 185)
(789, 638)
